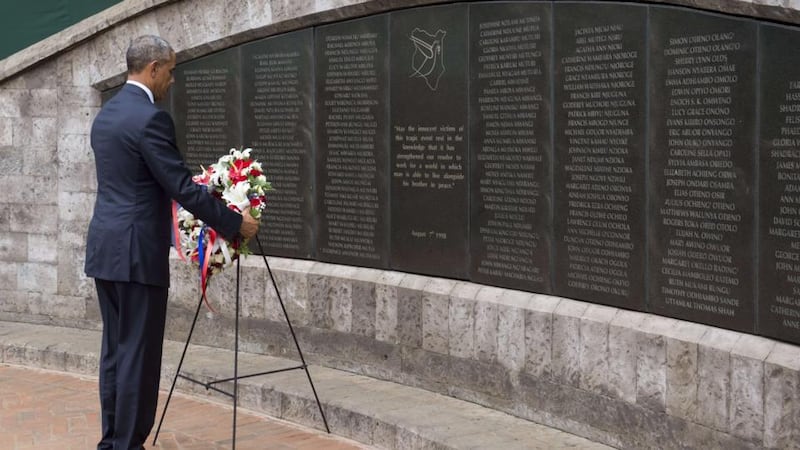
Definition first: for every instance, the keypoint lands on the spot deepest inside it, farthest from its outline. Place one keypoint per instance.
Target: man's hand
(249, 226)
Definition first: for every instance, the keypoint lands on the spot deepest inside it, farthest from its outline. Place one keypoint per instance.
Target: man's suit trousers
(130, 360)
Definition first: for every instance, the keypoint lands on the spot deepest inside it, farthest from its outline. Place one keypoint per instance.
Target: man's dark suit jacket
(139, 171)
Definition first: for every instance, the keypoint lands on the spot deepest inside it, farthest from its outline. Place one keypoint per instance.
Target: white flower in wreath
(237, 195)
(243, 154)
(238, 154)
(225, 159)
(219, 177)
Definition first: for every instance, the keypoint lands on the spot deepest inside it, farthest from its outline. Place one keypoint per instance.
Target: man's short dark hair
(146, 49)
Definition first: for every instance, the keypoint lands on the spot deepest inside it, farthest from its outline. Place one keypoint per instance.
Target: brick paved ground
(46, 410)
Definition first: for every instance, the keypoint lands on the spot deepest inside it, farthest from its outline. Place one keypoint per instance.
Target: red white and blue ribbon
(208, 242)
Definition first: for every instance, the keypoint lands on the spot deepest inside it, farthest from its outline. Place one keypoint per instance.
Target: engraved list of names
(352, 144)
(600, 154)
(779, 205)
(701, 168)
(511, 142)
(277, 101)
(207, 108)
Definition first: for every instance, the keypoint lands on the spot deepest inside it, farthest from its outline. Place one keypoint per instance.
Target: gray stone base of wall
(624, 378)
(380, 413)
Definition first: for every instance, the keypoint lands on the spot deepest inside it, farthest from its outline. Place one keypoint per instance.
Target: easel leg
(294, 336)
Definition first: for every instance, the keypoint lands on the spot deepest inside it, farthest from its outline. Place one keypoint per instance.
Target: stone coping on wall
(620, 377)
(283, 18)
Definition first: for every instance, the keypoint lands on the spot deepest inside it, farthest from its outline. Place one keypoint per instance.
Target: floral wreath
(237, 180)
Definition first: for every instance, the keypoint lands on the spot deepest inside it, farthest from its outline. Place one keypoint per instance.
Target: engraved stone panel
(429, 157)
(600, 118)
(702, 126)
(779, 191)
(510, 144)
(207, 112)
(527, 145)
(277, 77)
(352, 146)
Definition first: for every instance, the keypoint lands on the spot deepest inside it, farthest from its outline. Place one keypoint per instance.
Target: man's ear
(153, 67)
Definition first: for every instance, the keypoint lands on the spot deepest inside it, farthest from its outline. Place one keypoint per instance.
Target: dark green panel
(29, 22)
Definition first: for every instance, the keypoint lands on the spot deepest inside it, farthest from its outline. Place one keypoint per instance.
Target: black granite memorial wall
(635, 155)
(599, 120)
(778, 290)
(352, 119)
(429, 150)
(509, 134)
(702, 154)
(277, 121)
(206, 101)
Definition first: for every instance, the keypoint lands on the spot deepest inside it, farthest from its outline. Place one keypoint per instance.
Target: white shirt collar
(145, 88)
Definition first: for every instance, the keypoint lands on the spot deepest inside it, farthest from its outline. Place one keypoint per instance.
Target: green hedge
(25, 22)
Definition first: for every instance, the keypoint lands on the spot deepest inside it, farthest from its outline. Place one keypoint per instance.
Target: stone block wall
(628, 379)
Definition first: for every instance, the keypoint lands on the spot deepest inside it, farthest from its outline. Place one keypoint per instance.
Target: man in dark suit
(139, 171)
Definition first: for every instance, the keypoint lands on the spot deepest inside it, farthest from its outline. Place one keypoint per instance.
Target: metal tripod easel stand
(211, 385)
